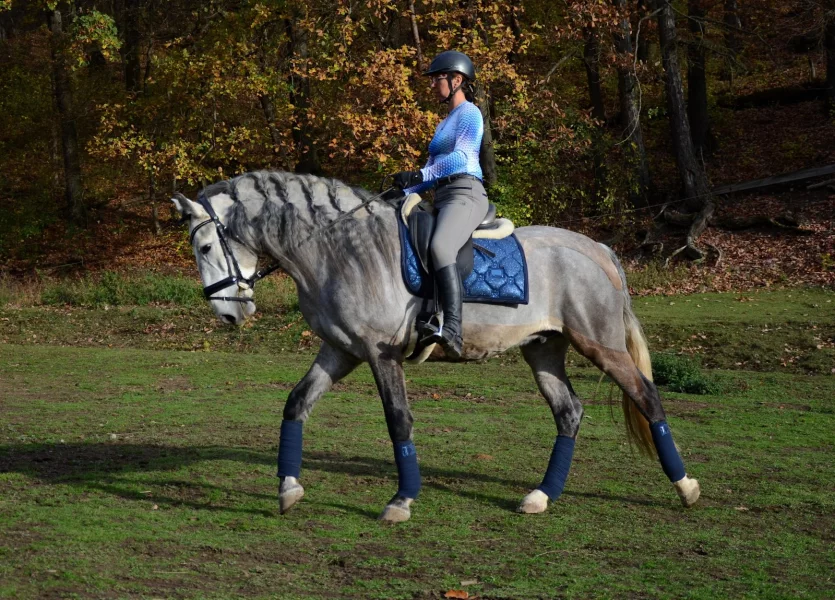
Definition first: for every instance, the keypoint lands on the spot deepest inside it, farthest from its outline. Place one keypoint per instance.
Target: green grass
(111, 411)
(147, 473)
(109, 289)
(655, 275)
(784, 331)
(112, 289)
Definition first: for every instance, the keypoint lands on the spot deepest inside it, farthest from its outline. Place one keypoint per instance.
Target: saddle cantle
(491, 264)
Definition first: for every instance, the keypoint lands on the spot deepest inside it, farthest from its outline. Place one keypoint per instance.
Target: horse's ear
(187, 208)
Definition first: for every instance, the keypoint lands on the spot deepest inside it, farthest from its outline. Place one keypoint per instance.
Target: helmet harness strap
(452, 91)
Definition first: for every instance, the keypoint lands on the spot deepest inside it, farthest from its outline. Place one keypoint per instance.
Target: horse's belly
(482, 341)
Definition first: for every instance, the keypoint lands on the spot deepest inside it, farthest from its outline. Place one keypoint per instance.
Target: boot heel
(452, 348)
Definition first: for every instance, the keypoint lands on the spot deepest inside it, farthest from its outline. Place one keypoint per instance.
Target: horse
(340, 245)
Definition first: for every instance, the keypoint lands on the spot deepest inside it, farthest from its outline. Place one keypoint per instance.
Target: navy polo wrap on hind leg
(290, 449)
(667, 453)
(408, 472)
(558, 467)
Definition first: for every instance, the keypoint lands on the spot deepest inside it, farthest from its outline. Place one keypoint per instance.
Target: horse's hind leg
(546, 358)
(648, 426)
(330, 366)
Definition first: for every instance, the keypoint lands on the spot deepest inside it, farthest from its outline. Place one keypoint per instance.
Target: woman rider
(453, 170)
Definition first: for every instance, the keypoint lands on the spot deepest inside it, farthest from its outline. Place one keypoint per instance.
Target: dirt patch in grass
(175, 384)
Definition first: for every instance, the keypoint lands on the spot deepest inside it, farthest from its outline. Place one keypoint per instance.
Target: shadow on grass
(102, 466)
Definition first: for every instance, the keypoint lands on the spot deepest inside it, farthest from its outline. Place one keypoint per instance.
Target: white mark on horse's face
(212, 263)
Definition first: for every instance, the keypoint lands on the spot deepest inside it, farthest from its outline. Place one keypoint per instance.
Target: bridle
(235, 277)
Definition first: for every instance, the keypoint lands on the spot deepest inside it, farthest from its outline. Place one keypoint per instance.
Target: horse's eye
(205, 249)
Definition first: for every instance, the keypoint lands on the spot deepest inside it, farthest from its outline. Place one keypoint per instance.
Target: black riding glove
(407, 179)
(392, 194)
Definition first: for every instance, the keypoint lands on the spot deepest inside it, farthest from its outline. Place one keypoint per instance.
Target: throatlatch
(290, 449)
(558, 466)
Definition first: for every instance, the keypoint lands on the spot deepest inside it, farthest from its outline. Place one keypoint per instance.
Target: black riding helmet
(449, 62)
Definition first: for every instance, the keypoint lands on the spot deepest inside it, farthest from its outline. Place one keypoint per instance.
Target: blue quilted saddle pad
(498, 279)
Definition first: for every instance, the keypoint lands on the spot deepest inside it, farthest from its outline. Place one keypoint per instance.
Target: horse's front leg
(547, 361)
(330, 366)
(388, 373)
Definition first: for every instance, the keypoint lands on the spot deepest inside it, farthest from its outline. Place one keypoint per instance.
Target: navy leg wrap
(558, 467)
(667, 453)
(408, 472)
(290, 449)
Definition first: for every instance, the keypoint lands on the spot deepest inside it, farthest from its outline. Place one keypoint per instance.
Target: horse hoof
(534, 503)
(688, 491)
(396, 511)
(288, 498)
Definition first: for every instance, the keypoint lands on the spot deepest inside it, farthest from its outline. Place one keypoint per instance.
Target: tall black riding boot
(450, 292)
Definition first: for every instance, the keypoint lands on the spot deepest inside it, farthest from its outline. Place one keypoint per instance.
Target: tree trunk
(308, 157)
(516, 29)
(266, 101)
(630, 110)
(693, 179)
(73, 190)
(732, 27)
(642, 45)
(130, 49)
(152, 198)
(416, 35)
(697, 80)
(829, 41)
(591, 61)
(269, 115)
(487, 155)
(148, 62)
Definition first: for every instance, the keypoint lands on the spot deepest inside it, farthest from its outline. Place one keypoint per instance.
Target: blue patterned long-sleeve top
(455, 147)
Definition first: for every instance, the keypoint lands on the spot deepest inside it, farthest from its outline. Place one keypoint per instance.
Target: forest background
(622, 119)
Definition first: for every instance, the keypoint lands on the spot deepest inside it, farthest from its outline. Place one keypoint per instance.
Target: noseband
(235, 277)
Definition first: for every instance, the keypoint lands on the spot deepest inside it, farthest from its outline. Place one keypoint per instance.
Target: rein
(343, 216)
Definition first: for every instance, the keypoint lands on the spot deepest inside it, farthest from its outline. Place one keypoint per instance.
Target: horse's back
(539, 237)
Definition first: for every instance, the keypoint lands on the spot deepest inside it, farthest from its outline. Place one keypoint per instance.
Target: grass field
(132, 466)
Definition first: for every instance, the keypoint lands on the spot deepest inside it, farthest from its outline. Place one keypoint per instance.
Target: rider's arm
(426, 185)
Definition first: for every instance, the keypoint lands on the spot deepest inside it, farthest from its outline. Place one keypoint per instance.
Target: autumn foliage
(170, 95)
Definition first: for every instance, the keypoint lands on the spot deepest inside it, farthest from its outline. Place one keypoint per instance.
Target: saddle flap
(421, 225)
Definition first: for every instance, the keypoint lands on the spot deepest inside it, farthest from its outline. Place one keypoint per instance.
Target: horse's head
(226, 266)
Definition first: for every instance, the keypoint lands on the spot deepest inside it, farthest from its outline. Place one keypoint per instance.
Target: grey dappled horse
(352, 294)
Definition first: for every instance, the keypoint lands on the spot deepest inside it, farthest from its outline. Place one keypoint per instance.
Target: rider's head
(449, 71)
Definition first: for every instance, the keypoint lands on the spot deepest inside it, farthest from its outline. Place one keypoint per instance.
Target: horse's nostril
(228, 319)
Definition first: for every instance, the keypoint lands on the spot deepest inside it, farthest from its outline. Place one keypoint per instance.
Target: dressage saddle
(419, 218)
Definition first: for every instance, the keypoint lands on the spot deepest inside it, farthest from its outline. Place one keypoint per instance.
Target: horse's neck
(294, 220)
(356, 248)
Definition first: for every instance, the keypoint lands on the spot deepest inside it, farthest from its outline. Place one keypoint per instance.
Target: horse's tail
(637, 427)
